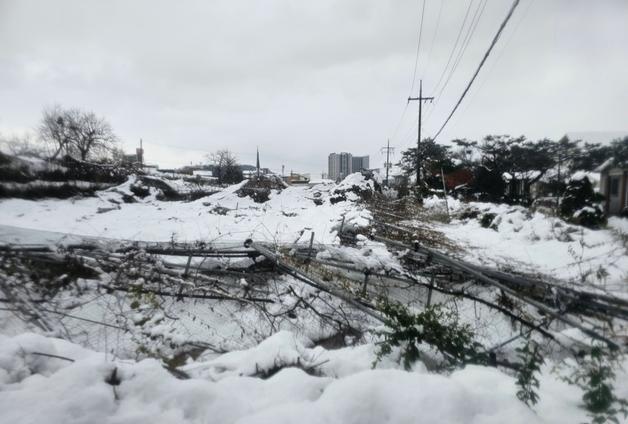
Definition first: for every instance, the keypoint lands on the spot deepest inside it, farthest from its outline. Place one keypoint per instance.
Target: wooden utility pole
(257, 165)
(388, 149)
(421, 99)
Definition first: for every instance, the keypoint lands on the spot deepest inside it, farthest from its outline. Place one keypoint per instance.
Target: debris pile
(354, 187)
(260, 188)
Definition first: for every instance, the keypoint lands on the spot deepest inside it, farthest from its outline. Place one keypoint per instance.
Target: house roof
(608, 163)
(527, 175)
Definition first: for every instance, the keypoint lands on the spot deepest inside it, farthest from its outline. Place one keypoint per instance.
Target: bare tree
(23, 144)
(77, 132)
(90, 134)
(225, 167)
(54, 129)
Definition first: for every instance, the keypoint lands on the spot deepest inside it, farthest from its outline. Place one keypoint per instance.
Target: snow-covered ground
(289, 216)
(517, 237)
(343, 389)
(273, 370)
(520, 239)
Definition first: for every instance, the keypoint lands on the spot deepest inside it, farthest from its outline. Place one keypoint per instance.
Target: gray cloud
(301, 79)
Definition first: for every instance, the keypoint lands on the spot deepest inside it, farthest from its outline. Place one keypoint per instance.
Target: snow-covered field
(223, 217)
(275, 368)
(517, 237)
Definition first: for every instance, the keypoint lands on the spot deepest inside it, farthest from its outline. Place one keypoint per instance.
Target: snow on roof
(520, 175)
(607, 164)
(594, 177)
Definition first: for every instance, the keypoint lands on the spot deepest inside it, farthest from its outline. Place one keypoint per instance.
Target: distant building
(250, 173)
(295, 178)
(136, 158)
(203, 174)
(359, 163)
(614, 186)
(342, 164)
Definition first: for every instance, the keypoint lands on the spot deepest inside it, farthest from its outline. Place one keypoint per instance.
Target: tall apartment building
(342, 164)
(358, 163)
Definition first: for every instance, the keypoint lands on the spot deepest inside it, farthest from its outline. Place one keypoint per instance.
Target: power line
(465, 43)
(451, 54)
(418, 48)
(403, 114)
(416, 62)
(487, 74)
(461, 51)
(429, 53)
(477, 71)
(409, 136)
(474, 24)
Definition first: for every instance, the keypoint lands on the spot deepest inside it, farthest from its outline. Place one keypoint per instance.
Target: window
(614, 191)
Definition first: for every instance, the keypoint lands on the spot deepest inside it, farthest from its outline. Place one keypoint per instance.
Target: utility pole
(257, 164)
(141, 153)
(388, 149)
(421, 99)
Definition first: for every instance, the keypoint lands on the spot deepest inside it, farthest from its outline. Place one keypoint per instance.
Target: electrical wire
(499, 56)
(451, 54)
(403, 115)
(414, 73)
(479, 11)
(477, 71)
(418, 48)
(429, 53)
(465, 43)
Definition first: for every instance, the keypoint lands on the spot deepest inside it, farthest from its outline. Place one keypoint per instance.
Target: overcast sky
(301, 79)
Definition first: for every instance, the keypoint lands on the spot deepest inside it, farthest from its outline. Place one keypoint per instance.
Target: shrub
(431, 328)
(487, 219)
(139, 190)
(40, 191)
(580, 204)
(595, 375)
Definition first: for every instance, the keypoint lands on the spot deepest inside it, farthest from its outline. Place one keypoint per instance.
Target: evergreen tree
(433, 157)
(580, 204)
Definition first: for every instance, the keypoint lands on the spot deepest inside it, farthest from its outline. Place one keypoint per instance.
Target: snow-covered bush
(260, 188)
(433, 330)
(580, 204)
(354, 187)
(487, 220)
